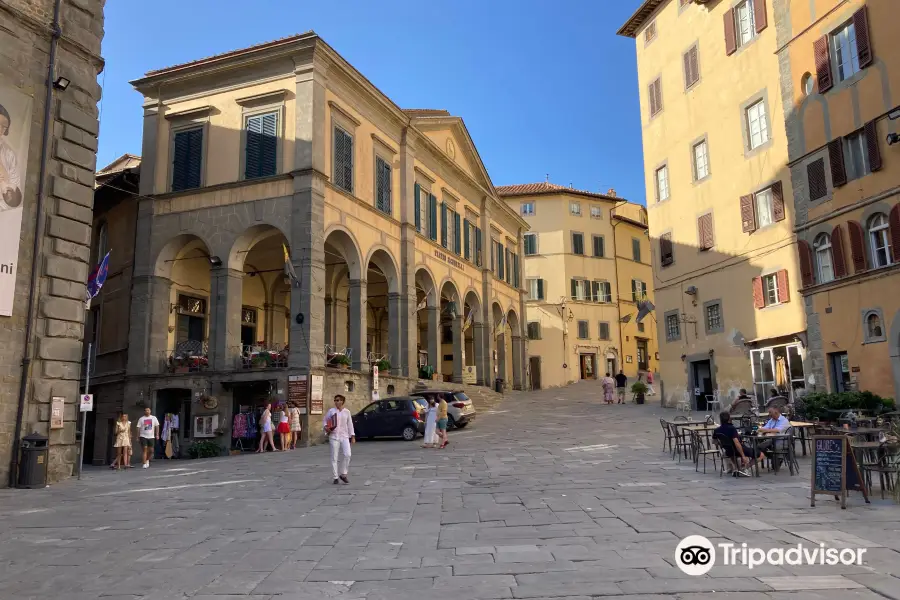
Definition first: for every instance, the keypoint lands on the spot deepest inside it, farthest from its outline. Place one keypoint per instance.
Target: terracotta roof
(545, 187)
(427, 112)
(636, 21)
(230, 53)
(120, 164)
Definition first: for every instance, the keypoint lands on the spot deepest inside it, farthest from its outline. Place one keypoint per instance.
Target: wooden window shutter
(759, 14)
(759, 300)
(748, 214)
(857, 246)
(836, 158)
(466, 240)
(417, 193)
(187, 159)
(432, 215)
(478, 258)
(540, 289)
(778, 201)
(444, 224)
(872, 146)
(688, 79)
(815, 178)
(261, 146)
(456, 233)
(863, 41)
(894, 224)
(705, 227)
(837, 252)
(730, 33)
(824, 76)
(806, 265)
(574, 289)
(695, 64)
(784, 290)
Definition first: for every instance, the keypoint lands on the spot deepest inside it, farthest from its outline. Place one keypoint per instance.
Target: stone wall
(63, 252)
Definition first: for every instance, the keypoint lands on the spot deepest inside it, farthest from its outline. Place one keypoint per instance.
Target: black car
(401, 416)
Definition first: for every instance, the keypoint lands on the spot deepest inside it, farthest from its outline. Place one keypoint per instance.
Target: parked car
(460, 408)
(401, 416)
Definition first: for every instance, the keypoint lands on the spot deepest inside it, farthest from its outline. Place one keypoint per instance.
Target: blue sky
(544, 87)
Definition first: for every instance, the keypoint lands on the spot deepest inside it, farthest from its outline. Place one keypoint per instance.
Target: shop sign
(317, 406)
(449, 260)
(298, 390)
(470, 374)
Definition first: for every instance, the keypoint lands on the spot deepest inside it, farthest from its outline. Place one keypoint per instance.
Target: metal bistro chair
(722, 444)
(682, 439)
(713, 402)
(783, 450)
(685, 402)
(701, 446)
(668, 436)
(885, 463)
(741, 406)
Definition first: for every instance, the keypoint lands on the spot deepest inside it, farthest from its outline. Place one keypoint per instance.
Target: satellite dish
(645, 307)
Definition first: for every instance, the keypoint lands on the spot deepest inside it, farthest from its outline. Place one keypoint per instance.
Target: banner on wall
(15, 125)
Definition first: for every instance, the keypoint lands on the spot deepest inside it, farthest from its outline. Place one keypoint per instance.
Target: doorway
(534, 363)
(840, 371)
(642, 358)
(703, 386)
(176, 402)
(588, 363)
(611, 365)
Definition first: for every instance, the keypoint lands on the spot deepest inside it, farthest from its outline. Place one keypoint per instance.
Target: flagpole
(87, 383)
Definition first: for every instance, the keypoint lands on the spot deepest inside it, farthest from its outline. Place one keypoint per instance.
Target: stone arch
(176, 248)
(496, 314)
(382, 258)
(512, 319)
(474, 301)
(251, 236)
(449, 290)
(344, 242)
(425, 281)
(894, 351)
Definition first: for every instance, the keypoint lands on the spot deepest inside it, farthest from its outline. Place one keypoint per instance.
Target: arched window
(873, 326)
(824, 261)
(102, 243)
(879, 240)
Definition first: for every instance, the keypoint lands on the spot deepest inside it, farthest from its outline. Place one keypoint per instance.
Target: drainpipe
(612, 212)
(56, 33)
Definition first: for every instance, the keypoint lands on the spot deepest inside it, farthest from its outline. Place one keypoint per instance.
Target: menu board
(317, 406)
(834, 469)
(298, 390)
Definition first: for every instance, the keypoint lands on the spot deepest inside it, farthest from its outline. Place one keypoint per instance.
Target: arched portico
(346, 314)
(474, 335)
(498, 332)
(451, 331)
(517, 347)
(384, 308)
(427, 319)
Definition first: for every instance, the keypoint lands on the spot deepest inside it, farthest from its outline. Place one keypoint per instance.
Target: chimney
(611, 193)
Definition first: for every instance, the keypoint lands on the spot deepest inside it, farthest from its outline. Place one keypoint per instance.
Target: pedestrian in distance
(608, 384)
(296, 426)
(266, 433)
(284, 430)
(148, 430)
(650, 390)
(442, 423)
(621, 382)
(122, 443)
(339, 429)
(430, 424)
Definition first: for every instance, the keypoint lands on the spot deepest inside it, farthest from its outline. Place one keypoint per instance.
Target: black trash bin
(35, 452)
(498, 385)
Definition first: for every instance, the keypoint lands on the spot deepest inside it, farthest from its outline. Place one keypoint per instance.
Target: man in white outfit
(339, 428)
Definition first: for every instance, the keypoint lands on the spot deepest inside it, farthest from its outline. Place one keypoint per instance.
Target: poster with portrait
(15, 127)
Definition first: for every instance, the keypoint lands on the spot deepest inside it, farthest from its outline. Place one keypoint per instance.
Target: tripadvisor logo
(696, 555)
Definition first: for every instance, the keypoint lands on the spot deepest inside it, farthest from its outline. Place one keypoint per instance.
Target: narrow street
(550, 495)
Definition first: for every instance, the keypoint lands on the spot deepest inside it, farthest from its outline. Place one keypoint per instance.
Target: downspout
(612, 213)
(56, 33)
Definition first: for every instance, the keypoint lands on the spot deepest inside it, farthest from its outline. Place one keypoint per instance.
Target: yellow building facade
(840, 69)
(726, 275)
(587, 264)
(402, 250)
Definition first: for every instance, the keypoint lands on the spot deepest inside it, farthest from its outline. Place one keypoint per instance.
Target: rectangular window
(422, 206)
(744, 22)
(601, 291)
(583, 330)
(530, 244)
(636, 249)
(640, 327)
(382, 185)
(701, 160)
(534, 330)
(509, 269)
(856, 155)
(654, 96)
(535, 289)
(575, 208)
(666, 256)
(604, 330)
(757, 125)
(691, 67)
(343, 160)
(638, 290)
(662, 183)
(261, 150)
(764, 208)
(598, 246)
(596, 212)
(673, 327)
(187, 159)
(527, 209)
(650, 32)
(714, 318)
(581, 290)
(845, 52)
(770, 289)
(705, 231)
(578, 243)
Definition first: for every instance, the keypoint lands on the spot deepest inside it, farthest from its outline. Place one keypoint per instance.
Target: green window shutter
(443, 224)
(262, 146)
(540, 289)
(478, 258)
(456, 234)
(187, 159)
(634, 290)
(466, 253)
(418, 203)
(516, 270)
(343, 160)
(432, 215)
(574, 289)
(382, 186)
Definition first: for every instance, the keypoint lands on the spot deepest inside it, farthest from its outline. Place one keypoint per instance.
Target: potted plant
(384, 365)
(639, 388)
(204, 449)
(261, 361)
(342, 361)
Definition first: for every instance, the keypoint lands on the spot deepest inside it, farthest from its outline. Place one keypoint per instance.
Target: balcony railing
(188, 357)
(262, 356)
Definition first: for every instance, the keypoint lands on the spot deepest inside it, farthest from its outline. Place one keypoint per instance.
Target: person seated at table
(737, 451)
(777, 424)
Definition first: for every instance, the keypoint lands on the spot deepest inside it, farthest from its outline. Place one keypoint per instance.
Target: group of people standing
(288, 428)
(614, 388)
(436, 420)
(148, 434)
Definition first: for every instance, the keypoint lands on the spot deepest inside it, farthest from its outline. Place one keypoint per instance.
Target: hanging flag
(96, 280)
(469, 318)
(289, 266)
(422, 304)
(501, 325)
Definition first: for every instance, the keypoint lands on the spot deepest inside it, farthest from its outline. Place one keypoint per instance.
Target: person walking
(122, 443)
(650, 390)
(608, 384)
(339, 428)
(296, 426)
(430, 424)
(621, 382)
(266, 434)
(284, 430)
(148, 429)
(442, 422)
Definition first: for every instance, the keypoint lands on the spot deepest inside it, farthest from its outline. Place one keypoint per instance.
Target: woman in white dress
(430, 424)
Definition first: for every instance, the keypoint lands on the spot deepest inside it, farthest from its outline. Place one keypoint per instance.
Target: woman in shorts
(442, 422)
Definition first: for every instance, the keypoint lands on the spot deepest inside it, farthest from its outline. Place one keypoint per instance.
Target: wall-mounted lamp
(893, 138)
(62, 83)
(683, 356)
(215, 261)
(171, 329)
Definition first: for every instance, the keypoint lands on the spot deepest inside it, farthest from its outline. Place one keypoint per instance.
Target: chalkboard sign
(834, 469)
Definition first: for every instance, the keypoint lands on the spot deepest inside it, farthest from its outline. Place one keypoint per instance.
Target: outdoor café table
(801, 427)
(756, 437)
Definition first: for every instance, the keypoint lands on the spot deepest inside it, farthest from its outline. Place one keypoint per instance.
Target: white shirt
(147, 426)
(344, 429)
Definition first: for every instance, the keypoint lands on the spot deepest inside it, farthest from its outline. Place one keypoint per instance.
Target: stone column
(148, 335)
(478, 343)
(458, 342)
(487, 292)
(225, 311)
(407, 320)
(522, 349)
(396, 322)
(434, 337)
(501, 356)
(329, 320)
(518, 368)
(358, 326)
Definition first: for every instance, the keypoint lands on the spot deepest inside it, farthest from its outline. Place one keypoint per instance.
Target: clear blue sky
(544, 86)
